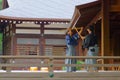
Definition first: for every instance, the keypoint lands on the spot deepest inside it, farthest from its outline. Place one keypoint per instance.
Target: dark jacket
(89, 41)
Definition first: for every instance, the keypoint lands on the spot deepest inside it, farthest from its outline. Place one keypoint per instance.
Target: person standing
(90, 43)
(71, 42)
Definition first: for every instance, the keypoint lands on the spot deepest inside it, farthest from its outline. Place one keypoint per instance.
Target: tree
(0, 4)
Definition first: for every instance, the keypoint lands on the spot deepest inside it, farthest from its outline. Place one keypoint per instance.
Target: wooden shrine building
(105, 16)
(32, 29)
(35, 28)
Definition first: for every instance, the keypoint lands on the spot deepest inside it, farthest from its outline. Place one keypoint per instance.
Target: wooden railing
(9, 74)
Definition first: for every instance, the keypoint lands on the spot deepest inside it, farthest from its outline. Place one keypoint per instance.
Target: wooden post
(105, 35)
(42, 40)
(13, 40)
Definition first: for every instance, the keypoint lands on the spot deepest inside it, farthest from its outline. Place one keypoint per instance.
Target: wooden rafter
(75, 17)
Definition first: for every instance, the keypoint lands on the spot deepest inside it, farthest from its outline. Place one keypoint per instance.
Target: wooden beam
(40, 28)
(75, 18)
(60, 76)
(115, 8)
(105, 32)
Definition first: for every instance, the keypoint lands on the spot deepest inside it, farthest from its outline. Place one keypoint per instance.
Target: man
(91, 44)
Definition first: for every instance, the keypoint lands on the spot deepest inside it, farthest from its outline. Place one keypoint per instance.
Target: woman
(71, 42)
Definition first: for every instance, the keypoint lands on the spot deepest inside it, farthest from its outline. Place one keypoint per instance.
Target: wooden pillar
(13, 40)
(42, 40)
(105, 30)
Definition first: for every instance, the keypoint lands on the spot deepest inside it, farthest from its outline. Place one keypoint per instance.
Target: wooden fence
(9, 74)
